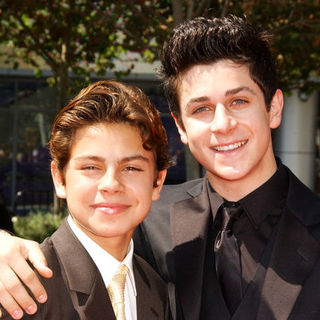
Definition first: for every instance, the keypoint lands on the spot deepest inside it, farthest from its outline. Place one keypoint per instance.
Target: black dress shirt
(262, 211)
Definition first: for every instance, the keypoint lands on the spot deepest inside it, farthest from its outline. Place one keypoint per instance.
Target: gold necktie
(116, 292)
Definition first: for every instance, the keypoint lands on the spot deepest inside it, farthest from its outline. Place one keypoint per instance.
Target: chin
(230, 174)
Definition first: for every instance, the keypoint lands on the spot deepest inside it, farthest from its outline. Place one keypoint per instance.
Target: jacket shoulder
(303, 202)
(177, 192)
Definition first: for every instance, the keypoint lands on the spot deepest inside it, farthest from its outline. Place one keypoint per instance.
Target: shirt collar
(107, 265)
(214, 198)
(269, 198)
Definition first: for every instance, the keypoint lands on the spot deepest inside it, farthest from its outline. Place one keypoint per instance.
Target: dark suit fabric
(174, 239)
(77, 290)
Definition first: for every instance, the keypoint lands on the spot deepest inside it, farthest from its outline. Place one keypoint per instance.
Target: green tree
(79, 36)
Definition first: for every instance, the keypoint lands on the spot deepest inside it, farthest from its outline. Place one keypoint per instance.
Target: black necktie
(227, 257)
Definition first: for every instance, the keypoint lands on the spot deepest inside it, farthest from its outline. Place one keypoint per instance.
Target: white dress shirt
(108, 267)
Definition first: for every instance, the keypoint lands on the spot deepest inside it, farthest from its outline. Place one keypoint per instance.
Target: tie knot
(116, 291)
(123, 270)
(230, 213)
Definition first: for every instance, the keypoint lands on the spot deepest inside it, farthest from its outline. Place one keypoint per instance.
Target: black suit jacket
(173, 239)
(77, 291)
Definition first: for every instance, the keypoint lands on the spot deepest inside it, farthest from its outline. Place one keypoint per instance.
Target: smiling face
(227, 126)
(108, 182)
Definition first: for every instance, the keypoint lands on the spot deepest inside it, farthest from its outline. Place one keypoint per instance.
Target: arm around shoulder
(14, 270)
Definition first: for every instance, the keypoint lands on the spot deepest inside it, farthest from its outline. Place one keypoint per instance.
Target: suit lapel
(87, 289)
(149, 306)
(189, 228)
(252, 297)
(294, 254)
(97, 303)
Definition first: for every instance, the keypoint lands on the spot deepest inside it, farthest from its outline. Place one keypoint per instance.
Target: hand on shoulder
(16, 274)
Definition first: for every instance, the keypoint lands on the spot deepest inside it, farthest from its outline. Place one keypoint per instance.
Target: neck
(117, 246)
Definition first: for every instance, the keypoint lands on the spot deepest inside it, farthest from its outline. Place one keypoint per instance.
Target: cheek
(199, 138)
(80, 189)
(263, 129)
(194, 132)
(142, 191)
(257, 123)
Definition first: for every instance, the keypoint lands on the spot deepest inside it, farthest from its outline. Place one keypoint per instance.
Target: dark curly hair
(206, 41)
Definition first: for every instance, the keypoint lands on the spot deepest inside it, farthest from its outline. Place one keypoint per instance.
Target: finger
(13, 255)
(37, 258)
(14, 265)
(9, 304)
(23, 270)
(13, 288)
(31, 251)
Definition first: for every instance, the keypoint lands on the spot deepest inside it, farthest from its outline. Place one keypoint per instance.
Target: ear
(275, 111)
(182, 132)
(58, 181)
(160, 181)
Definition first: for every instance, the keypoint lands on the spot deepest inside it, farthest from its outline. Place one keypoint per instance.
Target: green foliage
(80, 36)
(294, 24)
(37, 225)
(296, 29)
(83, 36)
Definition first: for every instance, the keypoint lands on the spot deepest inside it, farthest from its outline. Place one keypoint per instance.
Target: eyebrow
(196, 100)
(123, 160)
(239, 89)
(227, 93)
(135, 157)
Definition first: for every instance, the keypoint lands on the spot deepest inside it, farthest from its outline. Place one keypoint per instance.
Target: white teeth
(230, 146)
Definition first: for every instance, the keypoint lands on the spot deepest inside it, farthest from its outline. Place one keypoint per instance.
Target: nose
(110, 182)
(222, 121)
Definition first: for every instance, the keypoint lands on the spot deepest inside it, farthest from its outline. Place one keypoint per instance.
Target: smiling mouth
(111, 209)
(230, 147)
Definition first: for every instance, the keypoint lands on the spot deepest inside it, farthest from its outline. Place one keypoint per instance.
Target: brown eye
(90, 168)
(132, 168)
